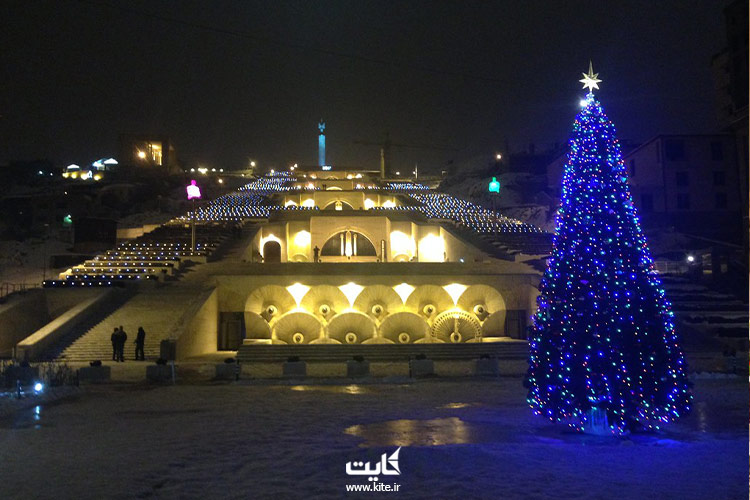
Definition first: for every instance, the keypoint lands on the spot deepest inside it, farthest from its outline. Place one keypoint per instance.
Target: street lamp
(193, 193)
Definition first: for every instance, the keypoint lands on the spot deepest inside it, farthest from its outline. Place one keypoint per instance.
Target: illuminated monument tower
(322, 143)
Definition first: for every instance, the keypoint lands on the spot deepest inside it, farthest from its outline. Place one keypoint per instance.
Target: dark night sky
(76, 74)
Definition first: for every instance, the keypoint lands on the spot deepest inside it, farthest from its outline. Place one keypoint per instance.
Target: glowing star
(590, 81)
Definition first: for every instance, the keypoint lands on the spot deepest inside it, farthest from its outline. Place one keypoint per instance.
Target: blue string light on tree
(603, 341)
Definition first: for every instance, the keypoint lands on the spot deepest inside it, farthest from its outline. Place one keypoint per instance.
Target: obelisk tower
(322, 143)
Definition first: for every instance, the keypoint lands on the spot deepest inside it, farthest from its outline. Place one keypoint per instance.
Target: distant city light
(690, 258)
(252, 163)
(221, 181)
(498, 157)
(142, 155)
(38, 387)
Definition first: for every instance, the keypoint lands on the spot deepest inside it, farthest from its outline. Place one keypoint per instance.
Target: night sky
(230, 81)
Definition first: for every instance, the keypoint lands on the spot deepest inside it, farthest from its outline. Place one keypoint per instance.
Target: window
(717, 151)
(721, 200)
(647, 202)
(683, 201)
(719, 179)
(348, 243)
(674, 150)
(632, 168)
(682, 178)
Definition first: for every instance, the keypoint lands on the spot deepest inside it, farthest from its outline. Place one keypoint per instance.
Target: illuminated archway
(272, 251)
(347, 244)
(338, 205)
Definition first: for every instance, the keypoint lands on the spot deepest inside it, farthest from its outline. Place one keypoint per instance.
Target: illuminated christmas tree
(603, 340)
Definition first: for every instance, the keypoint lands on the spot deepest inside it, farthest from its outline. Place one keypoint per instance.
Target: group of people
(119, 337)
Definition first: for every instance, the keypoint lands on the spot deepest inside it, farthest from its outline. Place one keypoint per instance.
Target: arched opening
(333, 188)
(272, 251)
(338, 205)
(348, 244)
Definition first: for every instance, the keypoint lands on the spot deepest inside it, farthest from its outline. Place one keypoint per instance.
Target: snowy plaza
(424, 250)
(460, 438)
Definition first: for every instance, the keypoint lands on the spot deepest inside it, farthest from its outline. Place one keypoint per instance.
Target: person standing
(140, 340)
(122, 337)
(115, 339)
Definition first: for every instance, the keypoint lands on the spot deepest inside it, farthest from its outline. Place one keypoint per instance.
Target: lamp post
(193, 193)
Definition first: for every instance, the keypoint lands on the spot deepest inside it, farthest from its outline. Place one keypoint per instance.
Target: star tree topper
(590, 80)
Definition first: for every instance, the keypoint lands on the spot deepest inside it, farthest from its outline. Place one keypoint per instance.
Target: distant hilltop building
(148, 150)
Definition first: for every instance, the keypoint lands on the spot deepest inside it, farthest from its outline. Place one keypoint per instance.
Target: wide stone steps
(156, 310)
(511, 349)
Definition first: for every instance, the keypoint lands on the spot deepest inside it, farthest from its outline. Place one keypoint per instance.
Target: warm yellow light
(432, 249)
(403, 290)
(66, 174)
(298, 290)
(309, 203)
(310, 185)
(221, 181)
(74, 175)
(352, 291)
(455, 290)
(142, 155)
(97, 177)
(302, 239)
(369, 203)
(389, 204)
(290, 203)
(350, 176)
(402, 244)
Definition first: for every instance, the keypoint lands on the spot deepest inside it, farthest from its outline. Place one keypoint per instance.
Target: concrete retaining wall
(20, 316)
(33, 346)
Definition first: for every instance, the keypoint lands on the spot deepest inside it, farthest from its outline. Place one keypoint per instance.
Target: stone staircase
(157, 310)
(510, 349)
(705, 312)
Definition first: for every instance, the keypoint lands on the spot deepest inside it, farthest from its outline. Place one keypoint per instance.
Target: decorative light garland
(604, 334)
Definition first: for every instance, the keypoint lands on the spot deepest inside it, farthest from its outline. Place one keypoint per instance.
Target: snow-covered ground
(460, 439)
